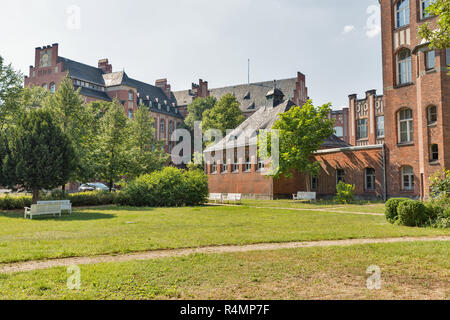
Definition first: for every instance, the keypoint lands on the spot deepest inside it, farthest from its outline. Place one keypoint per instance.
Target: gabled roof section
(83, 71)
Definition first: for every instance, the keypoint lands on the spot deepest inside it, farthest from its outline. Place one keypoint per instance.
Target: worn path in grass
(149, 255)
(331, 210)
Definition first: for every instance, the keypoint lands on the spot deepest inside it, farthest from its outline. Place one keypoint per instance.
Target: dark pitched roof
(334, 142)
(93, 93)
(82, 71)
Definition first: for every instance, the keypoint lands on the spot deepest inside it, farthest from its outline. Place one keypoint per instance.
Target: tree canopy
(10, 88)
(302, 131)
(226, 114)
(196, 110)
(439, 38)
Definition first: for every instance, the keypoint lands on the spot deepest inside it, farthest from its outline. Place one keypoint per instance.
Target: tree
(10, 89)
(111, 156)
(196, 110)
(302, 131)
(74, 120)
(226, 114)
(39, 156)
(148, 154)
(439, 37)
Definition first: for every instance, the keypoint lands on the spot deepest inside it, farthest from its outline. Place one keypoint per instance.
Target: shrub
(345, 193)
(391, 208)
(412, 213)
(15, 202)
(170, 187)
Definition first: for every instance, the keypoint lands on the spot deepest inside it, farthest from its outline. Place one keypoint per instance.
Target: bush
(391, 208)
(15, 202)
(345, 193)
(412, 213)
(170, 187)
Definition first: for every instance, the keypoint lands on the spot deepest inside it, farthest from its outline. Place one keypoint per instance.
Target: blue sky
(332, 42)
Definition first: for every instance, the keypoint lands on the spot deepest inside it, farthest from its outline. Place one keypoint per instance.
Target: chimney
(105, 66)
(165, 87)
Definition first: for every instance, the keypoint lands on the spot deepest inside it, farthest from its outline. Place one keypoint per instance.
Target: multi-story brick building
(101, 83)
(416, 99)
(397, 140)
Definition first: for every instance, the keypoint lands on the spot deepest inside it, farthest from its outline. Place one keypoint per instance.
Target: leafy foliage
(440, 184)
(302, 131)
(10, 89)
(345, 193)
(170, 187)
(411, 213)
(226, 114)
(196, 110)
(147, 154)
(391, 208)
(40, 156)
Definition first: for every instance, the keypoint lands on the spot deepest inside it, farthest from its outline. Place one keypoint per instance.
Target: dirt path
(330, 210)
(149, 255)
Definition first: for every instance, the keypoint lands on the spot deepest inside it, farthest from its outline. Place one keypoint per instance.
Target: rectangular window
(402, 13)
(408, 179)
(340, 176)
(214, 168)
(406, 129)
(314, 183)
(434, 152)
(430, 59)
(424, 4)
(362, 129)
(380, 127)
(447, 51)
(260, 165)
(370, 179)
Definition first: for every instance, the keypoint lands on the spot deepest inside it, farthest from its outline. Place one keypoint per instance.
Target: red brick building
(101, 83)
(397, 140)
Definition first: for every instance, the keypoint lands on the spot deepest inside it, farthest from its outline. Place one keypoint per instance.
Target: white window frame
(406, 12)
(409, 126)
(423, 5)
(359, 131)
(214, 168)
(432, 152)
(379, 130)
(52, 87)
(130, 95)
(430, 114)
(427, 60)
(406, 63)
(410, 177)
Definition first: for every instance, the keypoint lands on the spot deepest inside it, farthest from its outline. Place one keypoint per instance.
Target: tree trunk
(63, 188)
(35, 196)
(111, 185)
(308, 182)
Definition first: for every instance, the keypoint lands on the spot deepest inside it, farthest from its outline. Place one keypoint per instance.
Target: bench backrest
(46, 208)
(307, 195)
(65, 204)
(215, 196)
(234, 196)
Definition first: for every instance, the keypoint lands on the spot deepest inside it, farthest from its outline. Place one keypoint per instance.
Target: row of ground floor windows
(406, 172)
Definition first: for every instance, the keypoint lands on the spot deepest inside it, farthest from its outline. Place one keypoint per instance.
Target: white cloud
(349, 28)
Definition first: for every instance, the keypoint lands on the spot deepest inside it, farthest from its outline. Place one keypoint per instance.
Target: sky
(335, 43)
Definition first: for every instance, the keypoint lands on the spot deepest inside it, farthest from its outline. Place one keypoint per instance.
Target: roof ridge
(84, 64)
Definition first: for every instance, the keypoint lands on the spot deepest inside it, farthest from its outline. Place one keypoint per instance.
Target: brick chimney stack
(105, 66)
(162, 83)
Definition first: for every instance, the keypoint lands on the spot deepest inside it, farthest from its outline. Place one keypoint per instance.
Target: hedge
(412, 213)
(391, 208)
(170, 187)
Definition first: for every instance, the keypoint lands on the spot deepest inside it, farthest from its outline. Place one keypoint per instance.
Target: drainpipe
(384, 172)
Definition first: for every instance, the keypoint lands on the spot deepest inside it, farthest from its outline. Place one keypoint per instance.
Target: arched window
(407, 178)
(402, 13)
(434, 152)
(370, 179)
(432, 114)
(405, 126)
(52, 87)
(404, 66)
(130, 95)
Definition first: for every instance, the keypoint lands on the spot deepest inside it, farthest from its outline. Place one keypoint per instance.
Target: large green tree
(226, 114)
(196, 110)
(112, 156)
(39, 156)
(75, 120)
(147, 154)
(10, 88)
(302, 131)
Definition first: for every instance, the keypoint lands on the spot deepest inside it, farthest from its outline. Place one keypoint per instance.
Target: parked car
(97, 186)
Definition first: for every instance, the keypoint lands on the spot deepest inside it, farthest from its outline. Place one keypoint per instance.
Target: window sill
(424, 19)
(432, 125)
(403, 85)
(430, 71)
(381, 137)
(401, 28)
(405, 144)
(363, 139)
(435, 163)
(235, 172)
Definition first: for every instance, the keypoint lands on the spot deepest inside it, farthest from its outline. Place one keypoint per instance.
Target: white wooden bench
(43, 209)
(234, 197)
(310, 196)
(216, 197)
(66, 205)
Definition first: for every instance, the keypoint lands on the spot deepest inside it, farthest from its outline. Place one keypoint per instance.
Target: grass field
(408, 271)
(111, 230)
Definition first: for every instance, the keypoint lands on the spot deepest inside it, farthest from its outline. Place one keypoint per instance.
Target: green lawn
(106, 230)
(374, 207)
(408, 271)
